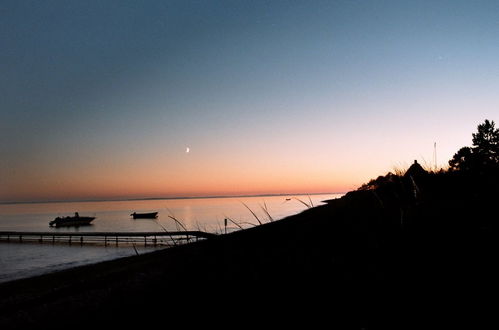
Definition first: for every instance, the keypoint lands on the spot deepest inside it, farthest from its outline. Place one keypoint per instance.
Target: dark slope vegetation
(376, 257)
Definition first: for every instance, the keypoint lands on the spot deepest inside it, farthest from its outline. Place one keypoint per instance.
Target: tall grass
(378, 198)
(400, 169)
(178, 224)
(308, 205)
(260, 222)
(166, 231)
(234, 222)
(266, 211)
(198, 227)
(254, 214)
(177, 221)
(428, 166)
(134, 248)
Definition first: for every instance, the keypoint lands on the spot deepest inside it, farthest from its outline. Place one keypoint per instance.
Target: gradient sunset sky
(103, 99)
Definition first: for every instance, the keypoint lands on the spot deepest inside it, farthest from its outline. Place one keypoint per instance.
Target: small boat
(75, 220)
(151, 215)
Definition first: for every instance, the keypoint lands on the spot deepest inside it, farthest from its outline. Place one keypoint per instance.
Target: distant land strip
(164, 198)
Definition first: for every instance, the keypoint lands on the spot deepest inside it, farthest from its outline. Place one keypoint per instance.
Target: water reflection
(206, 214)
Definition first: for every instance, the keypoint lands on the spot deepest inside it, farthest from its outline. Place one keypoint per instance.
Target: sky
(130, 99)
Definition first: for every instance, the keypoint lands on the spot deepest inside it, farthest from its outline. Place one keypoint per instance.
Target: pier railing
(106, 238)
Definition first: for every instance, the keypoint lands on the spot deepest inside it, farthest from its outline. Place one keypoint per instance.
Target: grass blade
(240, 227)
(264, 209)
(310, 199)
(177, 222)
(304, 203)
(256, 217)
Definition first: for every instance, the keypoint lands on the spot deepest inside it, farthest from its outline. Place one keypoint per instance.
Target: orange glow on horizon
(196, 175)
(152, 186)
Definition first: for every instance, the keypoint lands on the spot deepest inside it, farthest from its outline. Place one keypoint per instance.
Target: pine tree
(484, 154)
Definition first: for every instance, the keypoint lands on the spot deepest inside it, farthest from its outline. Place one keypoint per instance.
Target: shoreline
(37, 256)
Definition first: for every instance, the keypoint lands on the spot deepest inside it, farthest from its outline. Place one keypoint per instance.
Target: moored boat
(151, 215)
(75, 220)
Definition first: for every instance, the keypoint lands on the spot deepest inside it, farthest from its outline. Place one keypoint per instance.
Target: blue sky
(263, 92)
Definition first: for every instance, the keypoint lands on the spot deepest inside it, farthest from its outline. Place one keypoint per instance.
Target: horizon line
(122, 199)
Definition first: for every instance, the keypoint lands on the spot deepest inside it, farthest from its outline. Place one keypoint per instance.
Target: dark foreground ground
(370, 260)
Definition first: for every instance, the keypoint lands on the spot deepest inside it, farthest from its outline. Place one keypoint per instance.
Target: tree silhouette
(486, 143)
(484, 154)
(463, 160)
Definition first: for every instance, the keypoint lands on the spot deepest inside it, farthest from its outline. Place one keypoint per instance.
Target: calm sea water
(207, 214)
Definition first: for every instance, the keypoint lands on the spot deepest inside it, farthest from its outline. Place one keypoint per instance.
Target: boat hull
(152, 215)
(71, 221)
